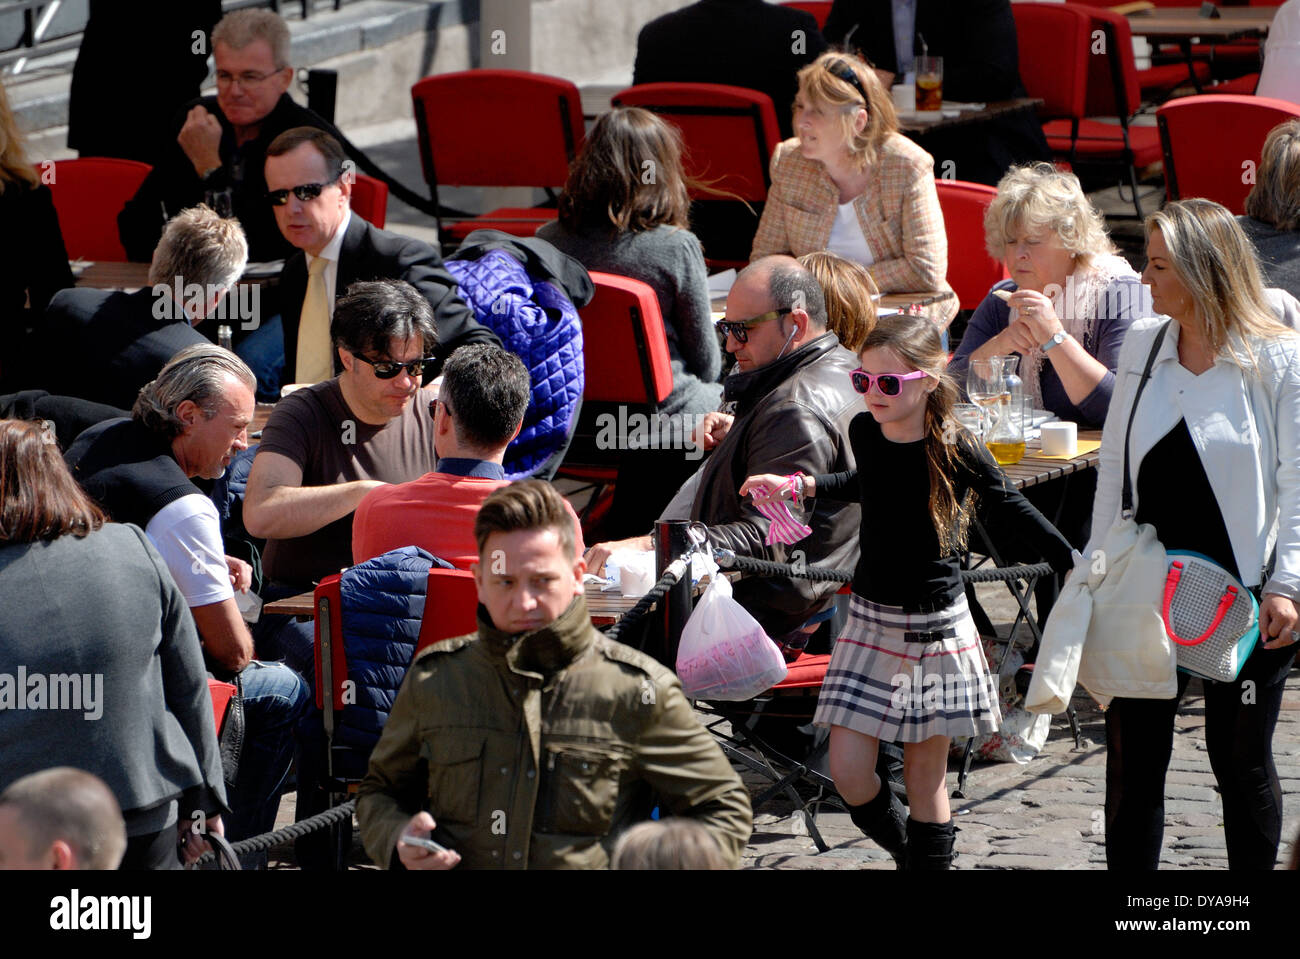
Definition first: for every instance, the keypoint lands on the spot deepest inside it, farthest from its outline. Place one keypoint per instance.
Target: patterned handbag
(1212, 619)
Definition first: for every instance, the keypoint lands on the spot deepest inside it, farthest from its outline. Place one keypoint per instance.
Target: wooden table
(261, 413)
(915, 127)
(1185, 24)
(606, 609)
(105, 275)
(901, 301)
(1035, 468)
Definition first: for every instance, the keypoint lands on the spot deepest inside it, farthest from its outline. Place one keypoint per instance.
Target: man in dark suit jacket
(305, 176)
(113, 343)
(743, 43)
(218, 143)
(981, 63)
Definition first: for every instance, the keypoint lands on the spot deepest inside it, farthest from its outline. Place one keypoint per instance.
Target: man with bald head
(60, 818)
(792, 400)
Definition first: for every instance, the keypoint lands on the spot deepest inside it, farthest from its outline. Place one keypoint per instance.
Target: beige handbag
(1105, 630)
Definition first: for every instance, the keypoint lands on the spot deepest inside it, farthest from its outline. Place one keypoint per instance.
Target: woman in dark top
(92, 621)
(1272, 219)
(1215, 454)
(910, 666)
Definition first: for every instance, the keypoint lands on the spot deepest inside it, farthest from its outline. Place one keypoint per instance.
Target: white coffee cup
(1060, 439)
(904, 95)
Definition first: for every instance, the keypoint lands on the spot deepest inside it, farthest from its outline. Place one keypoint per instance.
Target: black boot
(883, 820)
(929, 845)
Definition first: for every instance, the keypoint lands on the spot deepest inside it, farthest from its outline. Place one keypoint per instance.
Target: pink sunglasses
(890, 384)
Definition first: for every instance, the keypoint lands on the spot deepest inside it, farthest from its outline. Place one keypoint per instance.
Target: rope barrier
(289, 833)
(748, 564)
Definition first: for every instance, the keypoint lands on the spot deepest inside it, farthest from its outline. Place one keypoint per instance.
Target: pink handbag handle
(1171, 586)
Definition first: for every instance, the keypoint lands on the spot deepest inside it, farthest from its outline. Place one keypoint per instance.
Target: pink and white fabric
(783, 528)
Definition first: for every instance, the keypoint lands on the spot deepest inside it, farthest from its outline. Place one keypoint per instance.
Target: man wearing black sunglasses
(793, 401)
(326, 446)
(309, 188)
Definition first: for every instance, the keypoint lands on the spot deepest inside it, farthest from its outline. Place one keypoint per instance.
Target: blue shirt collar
(464, 466)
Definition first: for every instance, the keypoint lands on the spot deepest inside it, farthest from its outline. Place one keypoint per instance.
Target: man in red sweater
(479, 410)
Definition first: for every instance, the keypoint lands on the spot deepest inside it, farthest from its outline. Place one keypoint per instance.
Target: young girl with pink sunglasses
(909, 667)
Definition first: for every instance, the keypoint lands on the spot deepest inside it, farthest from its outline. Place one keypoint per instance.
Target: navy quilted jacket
(383, 606)
(536, 320)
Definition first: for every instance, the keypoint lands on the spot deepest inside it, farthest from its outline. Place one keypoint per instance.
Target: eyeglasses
(246, 79)
(740, 328)
(845, 73)
(387, 370)
(304, 192)
(890, 384)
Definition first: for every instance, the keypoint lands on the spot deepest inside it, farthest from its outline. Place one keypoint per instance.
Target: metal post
(671, 541)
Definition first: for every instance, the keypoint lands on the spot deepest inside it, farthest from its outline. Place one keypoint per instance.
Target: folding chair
(626, 368)
(450, 606)
(497, 128)
(964, 204)
(1209, 140)
(730, 134)
(1159, 80)
(221, 694)
(370, 200)
(89, 193)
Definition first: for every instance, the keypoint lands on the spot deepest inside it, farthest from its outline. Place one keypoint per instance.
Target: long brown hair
(628, 176)
(39, 499)
(14, 167)
(848, 289)
(916, 340)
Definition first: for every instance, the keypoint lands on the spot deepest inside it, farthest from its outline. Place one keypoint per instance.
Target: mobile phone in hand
(428, 844)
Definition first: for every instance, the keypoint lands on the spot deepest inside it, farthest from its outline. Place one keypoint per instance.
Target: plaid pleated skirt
(905, 677)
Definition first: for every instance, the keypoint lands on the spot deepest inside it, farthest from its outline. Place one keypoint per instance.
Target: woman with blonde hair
(850, 183)
(1215, 454)
(849, 291)
(625, 210)
(1070, 299)
(1272, 219)
(33, 259)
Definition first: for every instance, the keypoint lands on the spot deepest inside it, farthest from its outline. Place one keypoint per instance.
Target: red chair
(1109, 80)
(729, 133)
(497, 128)
(370, 200)
(1209, 139)
(450, 606)
(222, 694)
(625, 364)
(973, 272)
(89, 193)
(820, 9)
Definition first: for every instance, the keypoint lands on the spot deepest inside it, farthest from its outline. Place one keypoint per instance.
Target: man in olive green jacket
(534, 743)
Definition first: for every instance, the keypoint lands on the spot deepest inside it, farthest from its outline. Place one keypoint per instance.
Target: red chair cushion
(806, 672)
(1104, 141)
(517, 221)
(222, 694)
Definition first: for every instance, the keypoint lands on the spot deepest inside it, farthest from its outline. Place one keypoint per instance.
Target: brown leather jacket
(537, 750)
(791, 415)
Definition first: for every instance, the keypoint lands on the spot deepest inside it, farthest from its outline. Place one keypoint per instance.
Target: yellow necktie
(315, 355)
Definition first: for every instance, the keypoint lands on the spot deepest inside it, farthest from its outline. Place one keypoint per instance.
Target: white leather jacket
(1246, 427)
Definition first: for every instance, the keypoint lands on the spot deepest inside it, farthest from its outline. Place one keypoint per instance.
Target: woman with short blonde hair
(850, 183)
(1069, 301)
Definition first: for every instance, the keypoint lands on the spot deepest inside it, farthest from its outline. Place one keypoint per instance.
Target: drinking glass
(929, 83)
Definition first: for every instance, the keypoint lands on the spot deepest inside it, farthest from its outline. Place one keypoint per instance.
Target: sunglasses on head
(740, 328)
(845, 73)
(387, 369)
(890, 384)
(304, 192)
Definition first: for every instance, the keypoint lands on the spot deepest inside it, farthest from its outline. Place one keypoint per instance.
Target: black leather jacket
(791, 415)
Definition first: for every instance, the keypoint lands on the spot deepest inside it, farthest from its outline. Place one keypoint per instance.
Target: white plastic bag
(724, 653)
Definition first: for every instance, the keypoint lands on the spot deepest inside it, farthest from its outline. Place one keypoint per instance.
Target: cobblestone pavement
(1046, 814)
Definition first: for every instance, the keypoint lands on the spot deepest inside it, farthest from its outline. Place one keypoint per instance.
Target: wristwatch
(1057, 338)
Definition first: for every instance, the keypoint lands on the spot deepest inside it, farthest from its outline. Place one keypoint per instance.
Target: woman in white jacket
(1215, 454)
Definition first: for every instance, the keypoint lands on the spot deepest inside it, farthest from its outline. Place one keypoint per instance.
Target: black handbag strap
(1126, 498)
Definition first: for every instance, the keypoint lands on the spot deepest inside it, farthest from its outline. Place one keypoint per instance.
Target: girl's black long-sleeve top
(900, 563)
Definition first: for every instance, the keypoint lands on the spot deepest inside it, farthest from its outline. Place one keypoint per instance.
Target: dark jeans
(286, 637)
(1239, 723)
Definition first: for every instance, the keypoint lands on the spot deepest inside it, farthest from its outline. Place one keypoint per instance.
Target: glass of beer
(929, 83)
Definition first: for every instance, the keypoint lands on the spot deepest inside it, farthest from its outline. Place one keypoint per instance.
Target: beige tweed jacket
(899, 214)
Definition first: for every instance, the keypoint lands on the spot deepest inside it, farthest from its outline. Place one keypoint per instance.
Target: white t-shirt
(187, 533)
(847, 238)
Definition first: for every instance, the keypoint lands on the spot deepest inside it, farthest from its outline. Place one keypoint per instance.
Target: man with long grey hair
(191, 422)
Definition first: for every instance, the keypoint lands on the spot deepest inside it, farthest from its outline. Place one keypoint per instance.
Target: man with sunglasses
(309, 189)
(326, 446)
(793, 401)
(220, 142)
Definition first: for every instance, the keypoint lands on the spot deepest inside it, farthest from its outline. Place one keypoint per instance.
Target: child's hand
(766, 487)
